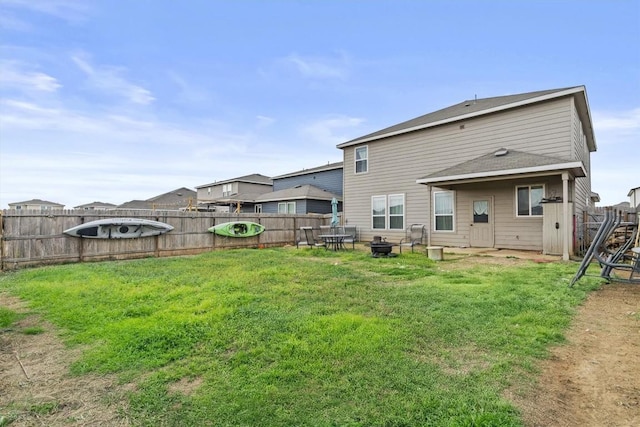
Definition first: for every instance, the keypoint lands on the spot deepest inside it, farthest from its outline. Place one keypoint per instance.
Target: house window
(362, 156)
(396, 211)
(208, 191)
(528, 200)
(257, 208)
(443, 211)
(394, 216)
(379, 212)
(287, 208)
(227, 189)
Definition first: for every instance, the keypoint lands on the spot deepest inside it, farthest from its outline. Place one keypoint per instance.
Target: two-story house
(503, 172)
(36, 204)
(305, 191)
(234, 195)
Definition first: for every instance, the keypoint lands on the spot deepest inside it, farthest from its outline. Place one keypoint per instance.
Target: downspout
(567, 218)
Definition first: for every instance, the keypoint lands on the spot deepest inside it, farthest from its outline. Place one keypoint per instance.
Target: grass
(281, 337)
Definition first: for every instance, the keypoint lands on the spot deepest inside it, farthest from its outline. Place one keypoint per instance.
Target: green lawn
(286, 337)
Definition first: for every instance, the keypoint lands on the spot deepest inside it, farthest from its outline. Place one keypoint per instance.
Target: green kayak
(237, 229)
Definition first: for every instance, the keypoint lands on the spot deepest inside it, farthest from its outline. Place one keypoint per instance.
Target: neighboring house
(233, 195)
(179, 199)
(304, 191)
(36, 204)
(634, 198)
(504, 172)
(96, 206)
(301, 199)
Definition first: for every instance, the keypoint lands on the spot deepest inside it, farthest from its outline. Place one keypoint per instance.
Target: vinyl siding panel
(326, 180)
(395, 163)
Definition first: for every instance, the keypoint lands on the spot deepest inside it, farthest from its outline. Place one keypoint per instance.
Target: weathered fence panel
(32, 238)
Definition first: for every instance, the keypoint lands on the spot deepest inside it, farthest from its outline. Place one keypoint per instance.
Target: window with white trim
(396, 211)
(362, 159)
(529, 200)
(379, 212)
(387, 212)
(257, 208)
(287, 207)
(227, 190)
(443, 210)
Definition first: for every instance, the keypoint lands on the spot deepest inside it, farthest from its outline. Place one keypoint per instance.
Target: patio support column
(568, 226)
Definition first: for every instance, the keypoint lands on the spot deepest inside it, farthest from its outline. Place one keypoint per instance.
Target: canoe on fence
(237, 229)
(119, 228)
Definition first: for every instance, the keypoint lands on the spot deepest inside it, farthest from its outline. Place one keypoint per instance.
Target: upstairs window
(362, 157)
(528, 200)
(227, 189)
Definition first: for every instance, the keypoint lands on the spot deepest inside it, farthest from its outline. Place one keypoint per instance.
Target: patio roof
(503, 164)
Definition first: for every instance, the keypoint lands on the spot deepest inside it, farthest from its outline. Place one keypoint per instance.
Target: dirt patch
(35, 386)
(593, 380)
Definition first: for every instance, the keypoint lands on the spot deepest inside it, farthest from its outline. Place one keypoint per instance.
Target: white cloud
(15, 75)
(332, 130)
(109, 80)
(320, 67)
(615, 127)
(68, 10)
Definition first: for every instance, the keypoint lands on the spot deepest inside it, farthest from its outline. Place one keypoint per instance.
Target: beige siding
(395, 163)
(581, 153)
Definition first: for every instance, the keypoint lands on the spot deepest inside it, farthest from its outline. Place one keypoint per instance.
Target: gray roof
(254, 178)
(95, 205)
(36, 202)
(298, 192)
(178, 198)
(493, 165)
(327, 167)
(477, 107)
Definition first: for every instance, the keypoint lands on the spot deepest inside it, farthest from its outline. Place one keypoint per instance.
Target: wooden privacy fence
(33, 238)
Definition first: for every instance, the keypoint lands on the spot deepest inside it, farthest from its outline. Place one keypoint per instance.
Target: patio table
(335, 242)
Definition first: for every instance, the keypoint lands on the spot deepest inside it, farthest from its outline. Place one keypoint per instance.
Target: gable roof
(254, 178)
(327, 167)
(493, 165)
(95, 205)
(478, 107)
(36, 202)
(298, 192)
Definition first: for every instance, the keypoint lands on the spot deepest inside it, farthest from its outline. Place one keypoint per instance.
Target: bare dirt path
(593, 380)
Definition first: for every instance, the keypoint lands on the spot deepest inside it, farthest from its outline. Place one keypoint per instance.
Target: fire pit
(380, 248)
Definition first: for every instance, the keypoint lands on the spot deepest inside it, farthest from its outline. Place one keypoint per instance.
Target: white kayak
(119, 228)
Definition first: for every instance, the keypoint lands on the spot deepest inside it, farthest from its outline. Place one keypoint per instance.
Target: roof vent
(501, 152)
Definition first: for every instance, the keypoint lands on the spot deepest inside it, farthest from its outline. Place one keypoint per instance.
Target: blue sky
(115, 100)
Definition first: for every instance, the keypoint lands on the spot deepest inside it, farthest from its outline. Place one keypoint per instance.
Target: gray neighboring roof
(36, 202)
(478, 107)
(136, 204)
(177, 196)
(234, 198)
(95, 205)
(327, 167)
(512, 163)
(298, 192)
(255, 178)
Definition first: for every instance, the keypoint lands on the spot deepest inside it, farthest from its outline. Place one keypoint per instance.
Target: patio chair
(352, 231)
(310, 239)
(416, 235)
